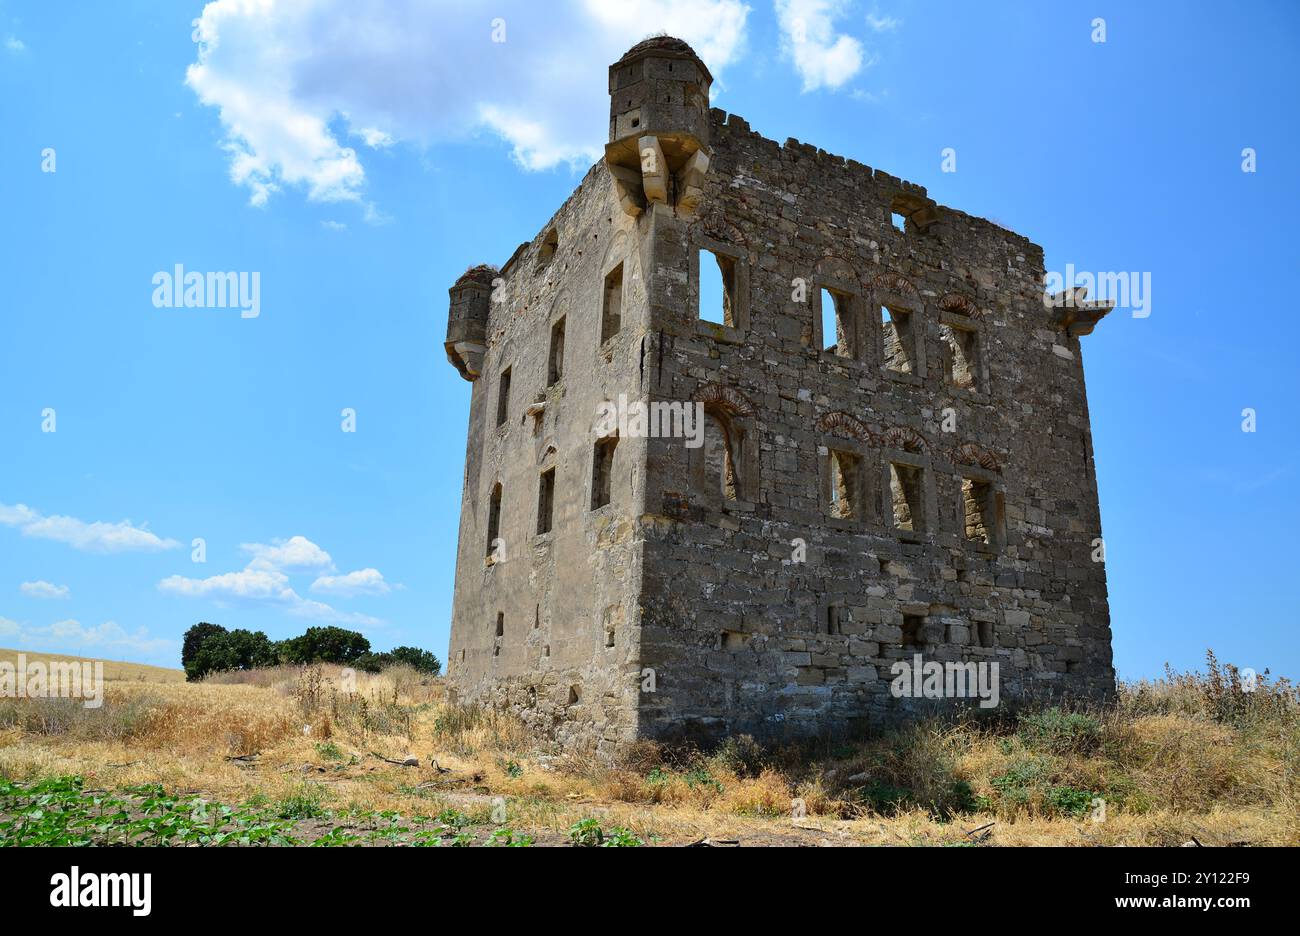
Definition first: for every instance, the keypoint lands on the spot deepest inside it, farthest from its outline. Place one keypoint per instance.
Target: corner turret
(658, 148)
(467, 320)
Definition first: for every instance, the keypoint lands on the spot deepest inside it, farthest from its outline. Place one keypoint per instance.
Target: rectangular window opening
(913, 631)
(984, 513)
(545, 501)
(720, 457)
(555, 359)
(501, 624)
(611, 317)
(961, 357)
(830, 323)
(837, 324)
(898, 220)
(503, 397)
(905, 492)
(494, 521)
(896, 331)
(845, 484)
(983, 633)
(976, 497)
(717, 288)
(832, 619)
(602, 472)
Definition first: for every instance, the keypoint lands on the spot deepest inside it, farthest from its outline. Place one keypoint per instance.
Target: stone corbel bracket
(664, 168)
(1075, 314)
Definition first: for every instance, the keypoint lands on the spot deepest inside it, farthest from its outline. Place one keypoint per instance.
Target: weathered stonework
(766, 581)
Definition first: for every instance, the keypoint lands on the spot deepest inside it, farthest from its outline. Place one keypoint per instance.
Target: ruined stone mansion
(896, 455)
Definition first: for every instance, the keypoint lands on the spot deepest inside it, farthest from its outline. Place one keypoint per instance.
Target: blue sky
(359, 155)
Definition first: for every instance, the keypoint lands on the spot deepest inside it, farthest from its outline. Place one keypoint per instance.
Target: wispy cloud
(15, 45)
(98, 536)
(44, 589)
(265, 582)
(1244, 482)
(294, 554)
(252, 587)
(882, 24)
(360, 582)
(295, 84)
(70, 636)
(823, 57)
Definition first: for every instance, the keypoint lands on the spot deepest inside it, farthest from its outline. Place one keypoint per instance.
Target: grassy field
(293, 756)
(114, 670)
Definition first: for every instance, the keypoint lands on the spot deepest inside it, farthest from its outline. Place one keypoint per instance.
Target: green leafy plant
(1057, 731)
(508, 838)
(587, 833)
(1070, 801)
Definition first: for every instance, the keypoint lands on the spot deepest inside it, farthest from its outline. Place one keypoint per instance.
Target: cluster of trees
(210, 648)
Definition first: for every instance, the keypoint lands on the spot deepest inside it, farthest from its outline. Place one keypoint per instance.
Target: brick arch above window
(972, 453)
(905, 439)
(961, 305)
(844, 424)
(895, 282)
(727, 399)
(713, 222)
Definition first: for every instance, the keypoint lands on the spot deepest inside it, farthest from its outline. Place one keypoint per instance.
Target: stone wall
(562, 593)
(866, 491)
(741, 634)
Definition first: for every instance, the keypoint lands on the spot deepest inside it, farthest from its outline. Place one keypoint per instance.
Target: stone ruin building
(896, 455)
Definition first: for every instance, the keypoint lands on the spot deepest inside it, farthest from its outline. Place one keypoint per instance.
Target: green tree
(231, 650)
(194, 638)
(324, 645)
(422, 660)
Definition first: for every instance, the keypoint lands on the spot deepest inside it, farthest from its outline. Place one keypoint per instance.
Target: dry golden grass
(114, 670)
(1180, 759)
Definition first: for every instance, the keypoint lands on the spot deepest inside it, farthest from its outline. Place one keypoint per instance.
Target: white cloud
(334, 225)
(70, 636)
(14, 44)
(883, 24)
(823, 58)
(291, 80)
(250, 585)
(294, 554)
(17, 515)
(90, 537)
(264, 582)
(360, 582)
(375, 139)
(44, 589)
